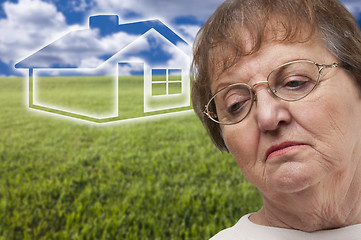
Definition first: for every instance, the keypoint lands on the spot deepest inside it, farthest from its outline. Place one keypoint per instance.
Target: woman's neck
(310, 210)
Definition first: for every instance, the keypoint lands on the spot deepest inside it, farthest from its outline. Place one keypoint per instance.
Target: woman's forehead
(245, 41)
(270, 55)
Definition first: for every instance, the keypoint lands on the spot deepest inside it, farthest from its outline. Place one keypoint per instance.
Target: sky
(26, 26)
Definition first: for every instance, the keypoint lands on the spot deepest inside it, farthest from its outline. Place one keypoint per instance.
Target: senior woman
(278, 85)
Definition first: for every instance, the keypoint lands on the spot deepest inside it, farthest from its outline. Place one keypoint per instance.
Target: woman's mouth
(281, 149)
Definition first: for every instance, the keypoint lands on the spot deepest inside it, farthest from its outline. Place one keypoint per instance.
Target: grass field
(94, 98)
(66, 179)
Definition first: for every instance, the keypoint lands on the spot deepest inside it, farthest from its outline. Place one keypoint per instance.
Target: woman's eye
(233, 102)
(296, 82)
(235, 108)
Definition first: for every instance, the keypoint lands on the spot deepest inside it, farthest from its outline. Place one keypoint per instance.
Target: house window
(166, 81)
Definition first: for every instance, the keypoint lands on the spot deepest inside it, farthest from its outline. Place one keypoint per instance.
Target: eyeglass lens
(289, 82)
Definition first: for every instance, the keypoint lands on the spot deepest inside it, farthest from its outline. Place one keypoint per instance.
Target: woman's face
(288, 147)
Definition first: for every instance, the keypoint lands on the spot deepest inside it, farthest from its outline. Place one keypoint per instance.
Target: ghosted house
(147, 62)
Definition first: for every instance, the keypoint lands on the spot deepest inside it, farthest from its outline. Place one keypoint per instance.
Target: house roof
(104, 38)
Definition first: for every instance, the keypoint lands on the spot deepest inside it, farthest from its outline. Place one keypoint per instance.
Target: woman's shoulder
(244, 229)
(235, 232)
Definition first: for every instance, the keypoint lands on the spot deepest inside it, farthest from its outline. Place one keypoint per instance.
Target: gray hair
(219, 43)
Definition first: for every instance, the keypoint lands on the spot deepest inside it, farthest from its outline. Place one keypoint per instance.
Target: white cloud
(354, 6)
(189, 31)
(164, 9)
(126, 69)
(178, 59)
(32, 24)
(29, 24)
(90, 61)
(116, 40)
(84, 49)
(79, 6)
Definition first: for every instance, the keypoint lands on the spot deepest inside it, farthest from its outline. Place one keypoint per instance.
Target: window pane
(175, 74)
(174, 88)
(159, 75)
(159, 89)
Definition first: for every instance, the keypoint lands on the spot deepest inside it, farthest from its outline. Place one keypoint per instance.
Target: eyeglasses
(291, 81)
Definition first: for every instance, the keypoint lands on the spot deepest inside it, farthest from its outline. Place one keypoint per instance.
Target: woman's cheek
(242, 146)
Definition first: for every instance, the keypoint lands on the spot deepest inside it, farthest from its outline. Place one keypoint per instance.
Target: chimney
(107, 24)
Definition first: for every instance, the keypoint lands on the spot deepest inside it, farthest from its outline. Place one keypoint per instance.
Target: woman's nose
(271, 112)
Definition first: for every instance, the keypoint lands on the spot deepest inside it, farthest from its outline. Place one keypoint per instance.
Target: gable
(71, 50)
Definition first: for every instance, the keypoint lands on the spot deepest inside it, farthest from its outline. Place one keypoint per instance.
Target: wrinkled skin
(317, 183)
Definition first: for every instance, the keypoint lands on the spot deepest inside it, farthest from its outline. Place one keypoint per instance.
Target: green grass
(94, 98)
(159, 89)
(158, 179)
(90, 95)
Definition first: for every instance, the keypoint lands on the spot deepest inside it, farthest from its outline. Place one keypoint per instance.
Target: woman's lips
(283, 148)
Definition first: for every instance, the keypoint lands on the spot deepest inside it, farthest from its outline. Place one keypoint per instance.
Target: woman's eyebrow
(239, 75)
(220, 83)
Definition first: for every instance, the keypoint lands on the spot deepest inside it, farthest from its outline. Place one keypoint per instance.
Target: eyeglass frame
(320, 67)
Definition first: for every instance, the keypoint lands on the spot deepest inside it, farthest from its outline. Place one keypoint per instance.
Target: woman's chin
(292, 177)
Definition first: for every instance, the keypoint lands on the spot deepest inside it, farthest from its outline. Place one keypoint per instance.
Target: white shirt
(244, 229)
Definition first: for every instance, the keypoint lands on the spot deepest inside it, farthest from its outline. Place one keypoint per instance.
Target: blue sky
(28, 25)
